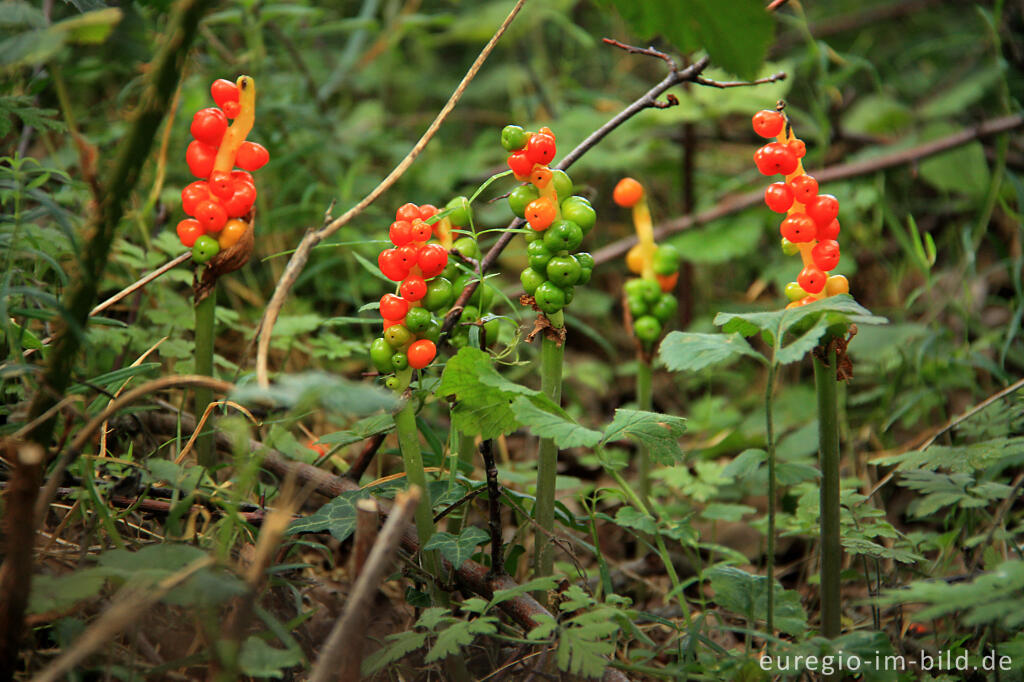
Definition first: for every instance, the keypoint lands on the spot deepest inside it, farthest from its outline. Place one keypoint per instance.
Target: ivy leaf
(659, 433)
(459, 634)
(60, 592)
(482, 396)
(559, 427)
(457, 549)
(747, 595)
(337, 516)
(685, 351)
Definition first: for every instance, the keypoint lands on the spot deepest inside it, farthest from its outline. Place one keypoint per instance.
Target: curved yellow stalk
(236, 133)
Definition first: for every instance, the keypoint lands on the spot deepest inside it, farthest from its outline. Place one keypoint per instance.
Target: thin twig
(339, 652)
(141, 282)
(361, 464)
(710, 82)
(493, 497)
(314, 237)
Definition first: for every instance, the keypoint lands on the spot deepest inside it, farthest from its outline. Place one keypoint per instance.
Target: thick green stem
(205, 323)
(770, 446)
(412, 458)
(828, 442)
(644, 401)
(547, 460)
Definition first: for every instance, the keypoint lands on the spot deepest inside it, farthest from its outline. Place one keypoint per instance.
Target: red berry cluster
(412, 261)
(810, 227)
(222, 195)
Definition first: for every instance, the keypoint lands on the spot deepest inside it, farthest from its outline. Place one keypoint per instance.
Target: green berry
(637, 306)
(666, 307)
(400, 361)
(461, 212)
(433, 331)
(647, 329)
(563, 235)
(794, 291)
(531, 279)
(563, 271)
(578, 210)
(585, 274)
(539, 255)
(570, 293)
(649, 290)
(520, 197)
(380, 355)
(666, 260)
(491, 329)
(789, 248)
(635, 287)
(418, 319)
(393, 383)
(563, 184)
(483, 295)
(205, 248)
(397, 336)
(585, 260)
(549, 297)
(470, 314)
(513, 137)
(467, 246)
(439, 294)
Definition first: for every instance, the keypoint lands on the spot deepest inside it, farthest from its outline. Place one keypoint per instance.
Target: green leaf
(963, 170)
(628, 517)
(460, 634)
(659, 433)
(398, 646)
(720, 241)
(585, 642)
(337, 516)
(60, 592)
(720, 511)
(259, 659)
(542, 584)
(312, 389)
(745, 464)
(361, 430)
(747, 595)
(151, 563)
(688, 351)
(456, 549)
(958, 458)
(562, 429)
(483, 397)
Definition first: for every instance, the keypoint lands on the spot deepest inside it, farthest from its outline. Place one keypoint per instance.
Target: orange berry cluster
(222, 195)
(810, 227)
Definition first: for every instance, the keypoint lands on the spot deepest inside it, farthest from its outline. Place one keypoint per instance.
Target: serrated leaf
(542, 584)
(688, 351)
(337, 516)
(546, 626)
(747, 595)
(659, 433)
(398, 646)
(628, 517)
(562, 429)
(259, 659)
(585, 642)
(460, 634)
(483, 397)
(456, 549)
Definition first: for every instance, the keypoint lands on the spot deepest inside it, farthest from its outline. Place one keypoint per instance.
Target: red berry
(421, 231)
(211, 215)
(779, 197)
(393, 307)
(251, 156)
(805, 188)
(406, 255)
(540, 149)
(193, 194)
(200, 157)
(223, 91)
(400, 232)
(775, 157)
(413, 288)
(241, 200)
(830, 231)
(421, 353)
(208, 125)
(432, 259)
(768, 123)
(798, 148)
(798, 228)
(221, 185)
(811, 280)
(394, 323)
(391, 265)
(824, 209)
(237, 175)
(427, 211)
(407, 212)
(826, 254)
(232, 109)
(520, 164)
(189, 231)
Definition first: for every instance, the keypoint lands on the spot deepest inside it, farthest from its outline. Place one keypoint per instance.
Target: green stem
(466, 453)
(205, 326)
(547, 460)
(644, 401)
(828, 440)
(770, 445)
(412, 458)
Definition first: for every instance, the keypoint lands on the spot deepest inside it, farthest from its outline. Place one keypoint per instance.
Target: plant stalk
(770, 447)
(644, 401)
(828, 442)
(205, 327)
(547, 460)
(466, 450)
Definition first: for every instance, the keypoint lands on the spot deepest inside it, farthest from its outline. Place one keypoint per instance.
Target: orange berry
(540, 213)
(628, 192)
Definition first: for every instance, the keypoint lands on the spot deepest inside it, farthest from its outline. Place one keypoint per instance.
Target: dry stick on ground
(649, 100)
(130, 605)
(343, 651)
(362, 463)
(472, 576)
(367, 520)
(314, 237)
(734, 204)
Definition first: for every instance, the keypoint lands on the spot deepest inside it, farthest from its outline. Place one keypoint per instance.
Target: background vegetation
(932, 468)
